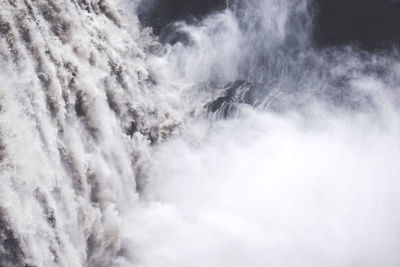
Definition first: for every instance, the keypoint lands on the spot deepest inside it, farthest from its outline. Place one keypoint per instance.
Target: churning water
(237, 141)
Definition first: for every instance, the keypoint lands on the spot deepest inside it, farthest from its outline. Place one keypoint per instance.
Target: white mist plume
(314, 184)
(108, 156)
(275, 190)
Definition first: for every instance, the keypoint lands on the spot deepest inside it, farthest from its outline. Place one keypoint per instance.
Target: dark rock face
(238, 92)
(160, 14)
(369, 24)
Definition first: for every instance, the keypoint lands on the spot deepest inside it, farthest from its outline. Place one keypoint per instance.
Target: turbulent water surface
(199, 133)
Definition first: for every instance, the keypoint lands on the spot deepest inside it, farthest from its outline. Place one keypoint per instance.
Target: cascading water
(233, 139)
(78, 106)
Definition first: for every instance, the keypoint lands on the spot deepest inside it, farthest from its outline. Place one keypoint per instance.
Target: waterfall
(78, 109)
(222, 136)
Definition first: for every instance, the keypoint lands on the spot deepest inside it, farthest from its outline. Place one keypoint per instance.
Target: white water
(265, 190)
(309, 177)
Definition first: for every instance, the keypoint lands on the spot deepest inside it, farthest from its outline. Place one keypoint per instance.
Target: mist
(166, 133)
(304, 172)
(276, 190)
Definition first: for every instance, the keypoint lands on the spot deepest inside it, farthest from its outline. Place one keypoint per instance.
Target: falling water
(230, 137)
(78, 110)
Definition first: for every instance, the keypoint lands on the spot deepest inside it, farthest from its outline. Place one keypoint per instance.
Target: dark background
(161, 13)
(368, 24)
